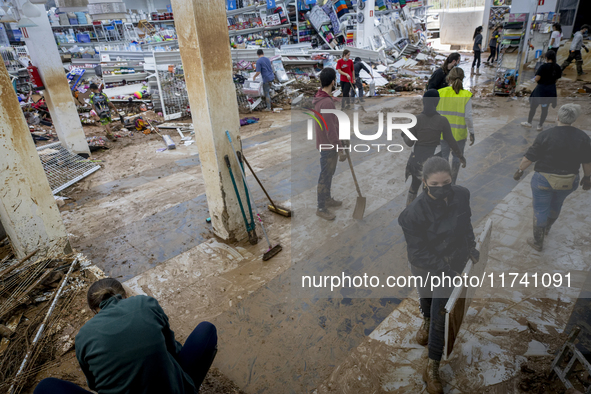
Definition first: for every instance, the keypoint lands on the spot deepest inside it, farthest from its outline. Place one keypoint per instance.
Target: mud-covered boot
(431, 377)
(537, 242)
(410, 198)
(472, 71)
(477, 71)
(549, 225)
(423, 333)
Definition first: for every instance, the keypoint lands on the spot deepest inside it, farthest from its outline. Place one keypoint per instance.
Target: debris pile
(41, 309)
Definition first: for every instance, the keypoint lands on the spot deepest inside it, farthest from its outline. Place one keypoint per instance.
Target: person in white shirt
(555, 38)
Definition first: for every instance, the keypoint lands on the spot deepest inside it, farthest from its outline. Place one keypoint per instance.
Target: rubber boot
(472, 71)
(549, 225)
(477, 71)
(537, 242)
(423, 333)
(431, 377)
(410, 197)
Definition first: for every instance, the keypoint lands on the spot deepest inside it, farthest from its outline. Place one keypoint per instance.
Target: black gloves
(472, 139)
(586, 182)
(463, 161)
(475, 255)
(518, 175)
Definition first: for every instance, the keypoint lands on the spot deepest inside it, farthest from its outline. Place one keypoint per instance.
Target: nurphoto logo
(345, 130)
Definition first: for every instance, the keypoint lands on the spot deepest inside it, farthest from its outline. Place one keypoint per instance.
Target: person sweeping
(128, 347)
(439, 240)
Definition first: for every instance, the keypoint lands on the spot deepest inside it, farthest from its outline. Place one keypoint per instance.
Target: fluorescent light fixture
(31, 11)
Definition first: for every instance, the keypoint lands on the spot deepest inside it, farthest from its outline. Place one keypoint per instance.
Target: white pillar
(366, 29)
(28, 210)
(485, 20)
(204, 44)
(45, 56)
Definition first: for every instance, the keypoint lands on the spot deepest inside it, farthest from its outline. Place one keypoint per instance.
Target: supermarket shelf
(156, 43)
(85, 61)
(66, 26)
(127, 77)
(257, 29)
(251, 9)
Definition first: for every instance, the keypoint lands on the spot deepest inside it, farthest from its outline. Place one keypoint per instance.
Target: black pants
(359, 86)
(328, 165)
(534, 107)
(195, 358)
(346, 87)
(493, 54)
(433, 306)
(476, 59)
(574, 55)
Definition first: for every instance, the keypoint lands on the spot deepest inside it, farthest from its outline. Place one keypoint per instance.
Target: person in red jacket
(327, 141)
(346, 68)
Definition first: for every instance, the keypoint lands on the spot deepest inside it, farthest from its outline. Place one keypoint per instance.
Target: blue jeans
(328, 165)
(267, 93)
(547, 202)
(195, 357)
(455, 162)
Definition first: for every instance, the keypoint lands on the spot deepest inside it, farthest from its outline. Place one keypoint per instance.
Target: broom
(273, 250)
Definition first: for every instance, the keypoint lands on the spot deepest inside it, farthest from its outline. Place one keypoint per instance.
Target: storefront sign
(271, 4)
(231, 5)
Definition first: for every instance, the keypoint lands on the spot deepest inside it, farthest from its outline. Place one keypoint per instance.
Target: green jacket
(129, 348)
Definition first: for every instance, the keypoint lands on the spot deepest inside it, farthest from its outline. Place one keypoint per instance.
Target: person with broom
(327, 136)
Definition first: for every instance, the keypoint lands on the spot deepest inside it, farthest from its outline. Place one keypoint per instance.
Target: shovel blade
(359, 209)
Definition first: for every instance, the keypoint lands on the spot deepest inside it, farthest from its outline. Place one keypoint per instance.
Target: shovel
(360, 204)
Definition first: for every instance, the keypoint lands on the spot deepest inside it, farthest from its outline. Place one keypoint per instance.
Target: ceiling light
(30, 10)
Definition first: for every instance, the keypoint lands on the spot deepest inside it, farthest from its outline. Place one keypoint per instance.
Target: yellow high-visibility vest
(453, 107)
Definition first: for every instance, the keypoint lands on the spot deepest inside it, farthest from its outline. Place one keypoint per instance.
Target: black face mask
(440, 192)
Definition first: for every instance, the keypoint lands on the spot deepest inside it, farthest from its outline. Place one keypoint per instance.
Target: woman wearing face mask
(439, 239)
(430, 127)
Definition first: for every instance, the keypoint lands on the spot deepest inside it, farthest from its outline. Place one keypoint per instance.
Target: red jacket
(323, 100)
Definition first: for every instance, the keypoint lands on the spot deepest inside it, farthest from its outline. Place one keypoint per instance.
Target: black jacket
(358, 66)
(438, 80)
(439, 236)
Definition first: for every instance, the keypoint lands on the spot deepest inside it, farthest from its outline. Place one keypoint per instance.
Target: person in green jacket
(128, 348)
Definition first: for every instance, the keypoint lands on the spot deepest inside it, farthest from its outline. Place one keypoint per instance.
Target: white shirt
(555, 39)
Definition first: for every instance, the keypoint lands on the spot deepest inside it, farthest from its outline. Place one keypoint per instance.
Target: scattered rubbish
(247, 121)
(208, 220)
(161, 149)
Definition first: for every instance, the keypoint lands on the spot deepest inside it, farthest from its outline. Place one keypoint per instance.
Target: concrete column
(28, 210)
(204, 44)
(45, 56)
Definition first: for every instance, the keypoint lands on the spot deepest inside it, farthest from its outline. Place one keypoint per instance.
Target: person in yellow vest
(456, 105)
